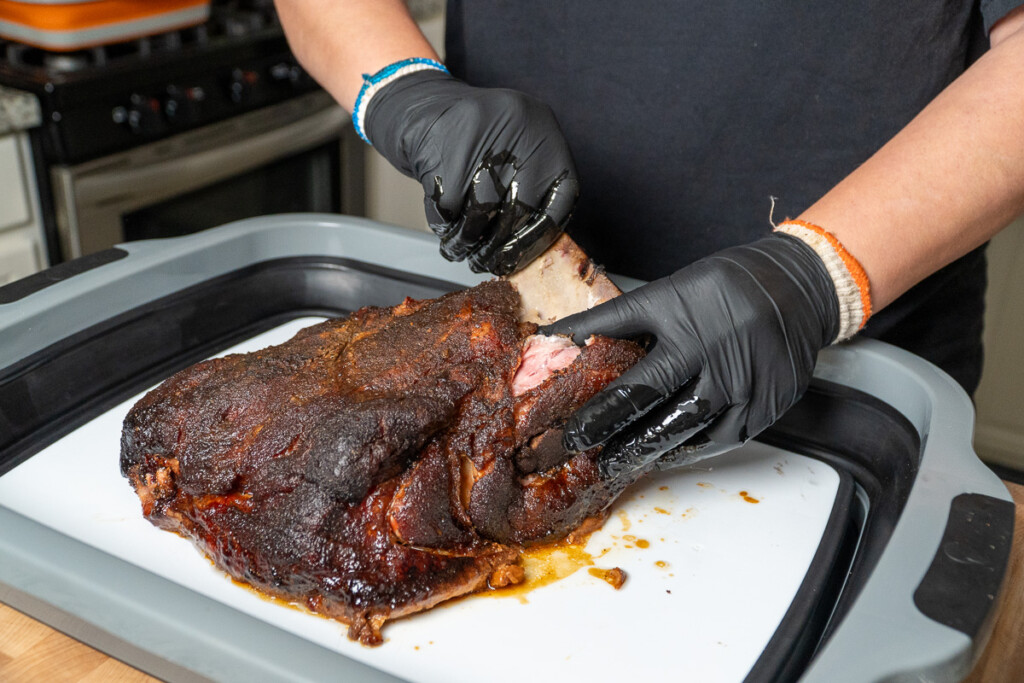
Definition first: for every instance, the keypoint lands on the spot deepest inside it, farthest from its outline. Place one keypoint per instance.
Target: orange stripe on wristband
(860, 277)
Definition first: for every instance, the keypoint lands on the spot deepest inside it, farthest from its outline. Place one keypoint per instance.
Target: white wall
(999, 433)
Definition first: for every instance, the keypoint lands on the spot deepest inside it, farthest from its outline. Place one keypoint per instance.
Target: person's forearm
(945, 184)
(338, 42)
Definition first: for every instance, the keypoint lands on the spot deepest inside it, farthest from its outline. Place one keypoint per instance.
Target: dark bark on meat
(373, 466)
(542, 452)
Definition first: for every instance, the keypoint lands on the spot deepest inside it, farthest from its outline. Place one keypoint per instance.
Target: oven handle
(97, 194)
(134, 186)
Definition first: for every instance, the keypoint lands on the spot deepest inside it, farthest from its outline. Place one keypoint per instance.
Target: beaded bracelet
(392, 72)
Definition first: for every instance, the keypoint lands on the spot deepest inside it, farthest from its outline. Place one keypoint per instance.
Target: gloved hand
(736, 336)
(498, 179)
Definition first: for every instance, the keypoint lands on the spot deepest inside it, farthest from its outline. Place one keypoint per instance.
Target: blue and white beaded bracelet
(392, 72)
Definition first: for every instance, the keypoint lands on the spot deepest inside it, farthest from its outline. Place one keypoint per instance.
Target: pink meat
(542, 357)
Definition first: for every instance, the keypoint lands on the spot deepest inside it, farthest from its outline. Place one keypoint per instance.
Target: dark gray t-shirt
(686, 117)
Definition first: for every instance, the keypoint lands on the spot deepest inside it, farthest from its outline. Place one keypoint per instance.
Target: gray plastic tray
(179, 635)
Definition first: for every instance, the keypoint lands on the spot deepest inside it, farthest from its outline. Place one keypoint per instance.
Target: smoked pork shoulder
(376, 465)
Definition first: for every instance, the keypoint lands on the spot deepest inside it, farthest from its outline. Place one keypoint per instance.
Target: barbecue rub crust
(373, 466)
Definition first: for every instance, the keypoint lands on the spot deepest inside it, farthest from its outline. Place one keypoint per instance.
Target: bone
(561, 281)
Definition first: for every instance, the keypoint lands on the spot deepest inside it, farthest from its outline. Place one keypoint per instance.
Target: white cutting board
(700, 603)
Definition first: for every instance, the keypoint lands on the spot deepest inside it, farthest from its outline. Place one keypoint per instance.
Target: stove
(113, 97)
(181, 131)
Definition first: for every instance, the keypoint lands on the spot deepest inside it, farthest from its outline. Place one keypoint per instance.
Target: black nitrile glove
(736, 336)
(498, 179)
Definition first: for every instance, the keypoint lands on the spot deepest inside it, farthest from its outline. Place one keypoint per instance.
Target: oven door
(285, 158)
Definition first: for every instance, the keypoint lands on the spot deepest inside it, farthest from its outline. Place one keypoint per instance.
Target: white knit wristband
(849, 278)
(373, 83)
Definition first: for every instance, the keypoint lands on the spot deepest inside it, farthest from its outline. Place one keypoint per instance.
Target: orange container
(74, 24)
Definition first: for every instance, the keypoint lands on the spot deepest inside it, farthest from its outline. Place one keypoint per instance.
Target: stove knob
(241, 85)
(184, 105)
(143, 115)
(292, 74)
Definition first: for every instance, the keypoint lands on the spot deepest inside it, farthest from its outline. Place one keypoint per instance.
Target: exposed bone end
(560, 282)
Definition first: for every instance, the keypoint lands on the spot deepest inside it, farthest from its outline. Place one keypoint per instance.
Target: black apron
(687, 118)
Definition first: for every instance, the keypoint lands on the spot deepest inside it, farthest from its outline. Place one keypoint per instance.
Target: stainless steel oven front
(299, 155)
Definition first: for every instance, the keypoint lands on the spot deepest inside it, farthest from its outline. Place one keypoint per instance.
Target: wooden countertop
(31, 652)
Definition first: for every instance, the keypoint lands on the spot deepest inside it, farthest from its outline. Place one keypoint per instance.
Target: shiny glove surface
(498, 179)
(736, 336)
